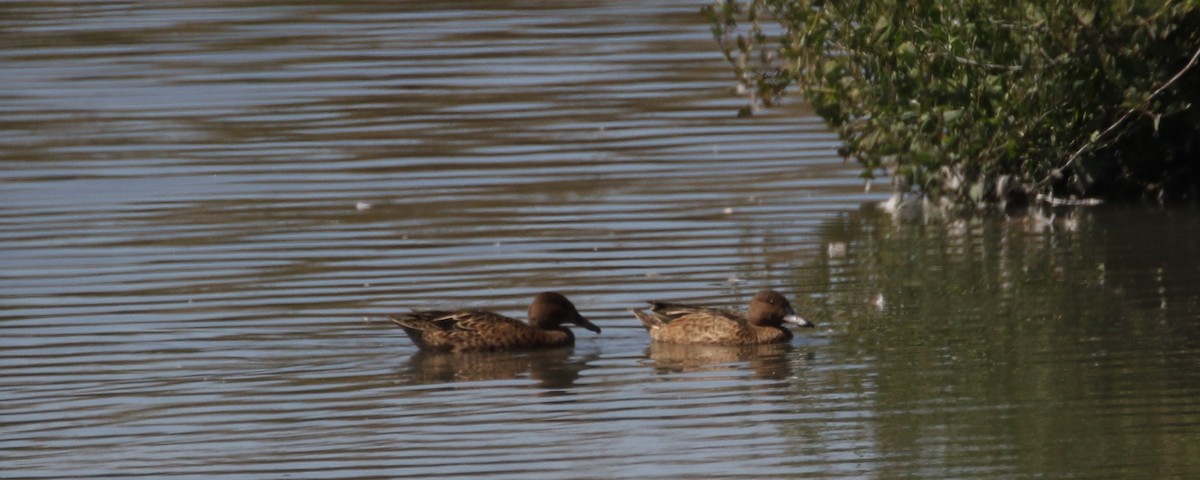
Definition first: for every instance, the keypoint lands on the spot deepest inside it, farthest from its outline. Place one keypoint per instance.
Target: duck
(479, 330)
(761, 324)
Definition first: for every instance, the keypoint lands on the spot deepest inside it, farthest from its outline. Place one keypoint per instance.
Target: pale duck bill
(796, 319)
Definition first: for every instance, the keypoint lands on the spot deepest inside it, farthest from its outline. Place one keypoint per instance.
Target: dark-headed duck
(475, 330)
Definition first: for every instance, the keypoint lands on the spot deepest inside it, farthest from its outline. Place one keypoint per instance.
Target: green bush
(977, 102)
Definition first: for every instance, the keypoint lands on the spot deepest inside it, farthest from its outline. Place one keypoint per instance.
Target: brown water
(190, 290)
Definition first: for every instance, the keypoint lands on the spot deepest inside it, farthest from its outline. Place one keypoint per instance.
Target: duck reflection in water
(766, 362)
(549, 368)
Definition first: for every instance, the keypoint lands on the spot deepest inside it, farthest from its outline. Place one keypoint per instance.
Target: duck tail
(649, 320)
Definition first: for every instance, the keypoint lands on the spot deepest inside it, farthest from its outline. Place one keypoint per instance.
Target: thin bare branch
(1128, 114)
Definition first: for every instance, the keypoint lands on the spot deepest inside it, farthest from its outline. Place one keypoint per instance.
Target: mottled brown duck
(761, 324)
(478, 330)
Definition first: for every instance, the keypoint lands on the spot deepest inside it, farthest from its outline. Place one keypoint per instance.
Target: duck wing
(667, 312)
(468, 330)
(455, 321)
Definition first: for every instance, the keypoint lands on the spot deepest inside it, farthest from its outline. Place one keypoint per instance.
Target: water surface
(206, 207)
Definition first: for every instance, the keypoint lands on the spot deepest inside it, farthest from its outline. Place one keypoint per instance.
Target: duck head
(550, 310)
(769, 308)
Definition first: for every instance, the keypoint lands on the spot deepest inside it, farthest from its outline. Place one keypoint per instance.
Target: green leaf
(976, 193)
(1084, 15)
(906, 52)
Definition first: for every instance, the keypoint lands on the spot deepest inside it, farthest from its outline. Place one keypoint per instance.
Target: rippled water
(206, 207)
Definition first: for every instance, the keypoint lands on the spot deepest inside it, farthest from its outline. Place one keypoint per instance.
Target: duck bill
(583, 322)
(793, 318)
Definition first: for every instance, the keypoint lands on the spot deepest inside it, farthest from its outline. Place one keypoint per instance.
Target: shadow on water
(553, 369)
(1062, 345)
(766, 362)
